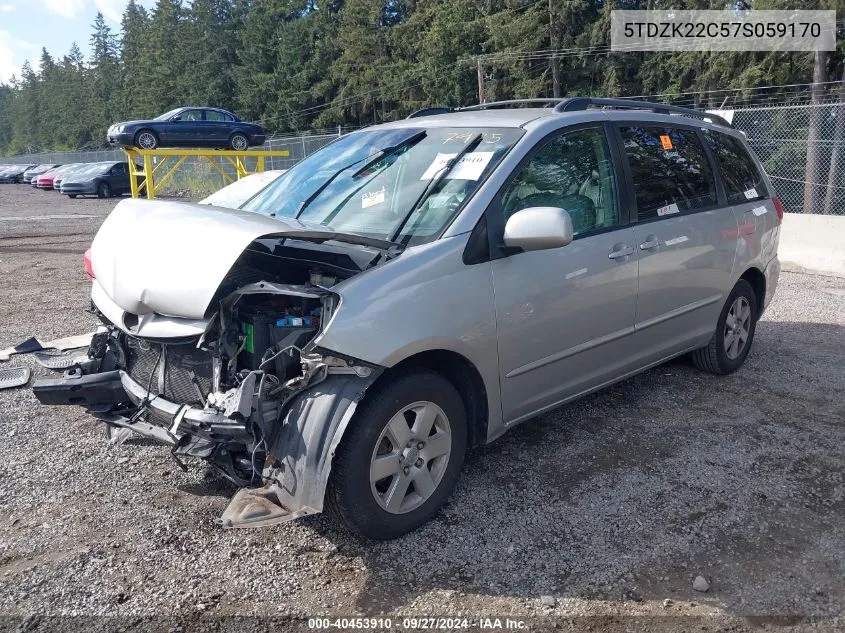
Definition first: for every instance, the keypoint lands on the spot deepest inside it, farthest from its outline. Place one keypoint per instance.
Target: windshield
(370, 181)
(84, 170)
(102, 168)
(167, 115)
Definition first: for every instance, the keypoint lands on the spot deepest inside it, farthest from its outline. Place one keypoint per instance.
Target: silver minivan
(418, 288)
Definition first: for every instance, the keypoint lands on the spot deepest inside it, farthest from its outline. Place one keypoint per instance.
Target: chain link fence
(779, 134)
(781, 137)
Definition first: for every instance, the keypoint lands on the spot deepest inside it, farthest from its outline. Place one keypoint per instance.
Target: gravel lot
(607, 508)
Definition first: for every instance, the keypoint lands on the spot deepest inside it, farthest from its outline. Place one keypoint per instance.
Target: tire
(104, 191)
(367, 507)
(146, 139)
(71, 195)
(239, 142)
(727, 349)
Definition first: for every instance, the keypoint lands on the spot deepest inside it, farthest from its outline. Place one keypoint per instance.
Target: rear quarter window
(669, 170)
(743, 181)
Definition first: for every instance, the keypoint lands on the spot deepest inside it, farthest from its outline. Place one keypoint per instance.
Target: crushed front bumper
(161, 420)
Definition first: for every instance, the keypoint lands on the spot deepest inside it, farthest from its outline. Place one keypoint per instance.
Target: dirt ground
(596, 516)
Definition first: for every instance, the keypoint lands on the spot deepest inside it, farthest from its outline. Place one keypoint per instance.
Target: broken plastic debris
(34, 345)
(29, 345)
(14, 377)
(62, 360)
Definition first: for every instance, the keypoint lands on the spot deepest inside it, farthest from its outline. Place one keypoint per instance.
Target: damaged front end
(243, 385)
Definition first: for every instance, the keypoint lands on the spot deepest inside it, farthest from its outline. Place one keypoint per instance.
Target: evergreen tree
(104, 78)
(134, 27)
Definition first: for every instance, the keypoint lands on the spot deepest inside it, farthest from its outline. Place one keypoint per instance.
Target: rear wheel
(400, 458)
(146, 139)
(239, 142)
(731, 342)
(103, 190)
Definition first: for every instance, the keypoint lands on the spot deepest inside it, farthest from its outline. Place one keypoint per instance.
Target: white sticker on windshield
(470, 167)
(372, 198)
(751, 194)
(668, 209)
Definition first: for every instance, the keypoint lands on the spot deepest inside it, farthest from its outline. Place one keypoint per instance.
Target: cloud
(13, 52)
(7, 8)
(64, 8)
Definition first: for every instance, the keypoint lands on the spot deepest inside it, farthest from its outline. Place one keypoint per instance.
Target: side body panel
(759, 245)
(565, 319)
(683, 280)
(427, 299)
(686, 261)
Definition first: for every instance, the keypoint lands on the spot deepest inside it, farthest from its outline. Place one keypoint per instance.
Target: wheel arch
(755, 277)
(304, 444)
(464, 377)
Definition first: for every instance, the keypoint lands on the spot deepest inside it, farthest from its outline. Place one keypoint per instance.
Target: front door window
(573, 171)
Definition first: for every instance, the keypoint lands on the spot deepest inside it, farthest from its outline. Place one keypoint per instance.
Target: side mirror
(177, 117)
(538, 228)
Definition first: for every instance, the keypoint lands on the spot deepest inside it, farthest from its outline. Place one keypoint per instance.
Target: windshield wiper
(390, 151)
(381, 154)
(435, 181)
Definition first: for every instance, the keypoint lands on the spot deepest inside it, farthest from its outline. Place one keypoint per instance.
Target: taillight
(778, 207)
(88, 267)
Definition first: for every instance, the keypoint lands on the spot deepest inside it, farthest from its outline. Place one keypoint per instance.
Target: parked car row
(102, 179)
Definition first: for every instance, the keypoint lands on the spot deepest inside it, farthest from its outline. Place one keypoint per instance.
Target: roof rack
(574, 104)
(430, 111)
(547, 102)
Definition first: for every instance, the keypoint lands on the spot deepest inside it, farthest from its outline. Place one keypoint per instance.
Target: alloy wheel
(410, 457)
(737, 327)
(240, 142)
(146, 140)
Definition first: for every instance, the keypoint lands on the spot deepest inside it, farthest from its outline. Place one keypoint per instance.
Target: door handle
(651, 242)
(619, 251)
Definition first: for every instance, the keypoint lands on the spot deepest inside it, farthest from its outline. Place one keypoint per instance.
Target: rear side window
(743, 181)
(669, 169)
(214, 115)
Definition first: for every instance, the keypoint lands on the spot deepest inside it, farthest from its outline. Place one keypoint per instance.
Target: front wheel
(400, 458)
(104, 191)
(731, 342)
(146, 139)
(71, 195)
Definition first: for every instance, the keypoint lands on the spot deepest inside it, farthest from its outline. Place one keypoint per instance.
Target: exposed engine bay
(243, 391)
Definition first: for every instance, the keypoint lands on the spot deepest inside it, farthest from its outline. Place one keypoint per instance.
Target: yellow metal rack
(149, 171)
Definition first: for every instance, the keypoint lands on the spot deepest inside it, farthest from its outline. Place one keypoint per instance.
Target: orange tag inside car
(665, 141)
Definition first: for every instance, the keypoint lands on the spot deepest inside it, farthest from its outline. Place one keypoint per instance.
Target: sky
(28, 25)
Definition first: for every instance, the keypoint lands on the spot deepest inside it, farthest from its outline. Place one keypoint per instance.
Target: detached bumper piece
(91, 390)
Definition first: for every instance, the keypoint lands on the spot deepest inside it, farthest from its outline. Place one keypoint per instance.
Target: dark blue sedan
(188, 127)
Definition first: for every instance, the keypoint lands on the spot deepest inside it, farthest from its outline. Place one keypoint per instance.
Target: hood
(169, 258)
(138, 122)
